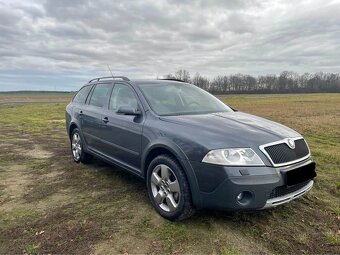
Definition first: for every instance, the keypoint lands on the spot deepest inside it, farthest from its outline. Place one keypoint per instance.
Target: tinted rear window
(82, 94)
(100, 94)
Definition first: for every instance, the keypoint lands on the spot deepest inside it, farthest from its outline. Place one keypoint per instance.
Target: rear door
(92, 123)
(123, 132)
(79, 101)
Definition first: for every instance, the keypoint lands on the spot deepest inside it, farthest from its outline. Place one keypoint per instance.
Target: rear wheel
(168, 188)
(78, 153)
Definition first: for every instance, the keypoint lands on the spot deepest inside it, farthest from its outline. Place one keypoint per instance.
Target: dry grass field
(48, 204)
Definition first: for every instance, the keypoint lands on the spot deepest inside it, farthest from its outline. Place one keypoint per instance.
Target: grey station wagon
(192, 150)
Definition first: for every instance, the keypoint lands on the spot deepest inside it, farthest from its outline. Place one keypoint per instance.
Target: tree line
(286, 82)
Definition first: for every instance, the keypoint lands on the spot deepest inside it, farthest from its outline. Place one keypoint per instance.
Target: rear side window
(100, 94)
(82, 94)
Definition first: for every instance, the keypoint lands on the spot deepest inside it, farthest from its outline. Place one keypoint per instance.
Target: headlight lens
(234, 156)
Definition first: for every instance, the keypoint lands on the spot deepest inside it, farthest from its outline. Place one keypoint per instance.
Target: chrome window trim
(263, 146)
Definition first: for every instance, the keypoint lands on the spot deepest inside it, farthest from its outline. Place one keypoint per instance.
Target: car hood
(232, 129)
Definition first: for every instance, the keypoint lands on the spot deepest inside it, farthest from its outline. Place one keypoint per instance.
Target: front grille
(282, 153)
(284, 190)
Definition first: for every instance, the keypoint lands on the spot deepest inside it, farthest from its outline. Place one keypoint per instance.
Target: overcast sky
(60, 44)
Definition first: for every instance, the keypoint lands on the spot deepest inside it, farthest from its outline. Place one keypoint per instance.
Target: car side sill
(289, 197)
(114, 162)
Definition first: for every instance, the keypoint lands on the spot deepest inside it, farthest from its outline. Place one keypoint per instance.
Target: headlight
(235, 156)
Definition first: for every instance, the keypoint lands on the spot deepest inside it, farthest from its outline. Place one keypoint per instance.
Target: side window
(81, 96)
(99, 94)
(122, 95)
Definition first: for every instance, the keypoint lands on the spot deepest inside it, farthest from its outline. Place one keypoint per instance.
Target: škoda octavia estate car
(192, 150)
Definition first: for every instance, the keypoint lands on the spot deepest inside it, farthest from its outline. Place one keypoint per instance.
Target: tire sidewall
(176, 168)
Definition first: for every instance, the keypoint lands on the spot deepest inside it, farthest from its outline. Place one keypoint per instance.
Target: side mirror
(128, 110)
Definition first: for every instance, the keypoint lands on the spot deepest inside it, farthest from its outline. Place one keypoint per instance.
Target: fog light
(244, 197)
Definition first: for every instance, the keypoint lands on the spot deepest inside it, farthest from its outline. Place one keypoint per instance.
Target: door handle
(105, 119)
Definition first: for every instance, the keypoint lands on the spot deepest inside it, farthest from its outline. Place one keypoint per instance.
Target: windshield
(181, 98)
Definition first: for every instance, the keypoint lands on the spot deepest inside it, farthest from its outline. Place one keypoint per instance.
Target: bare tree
(182, 75)
(286, 82)
(200, 81)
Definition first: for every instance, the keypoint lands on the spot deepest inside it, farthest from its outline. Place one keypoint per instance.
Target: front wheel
(168, 188)
(78, 153)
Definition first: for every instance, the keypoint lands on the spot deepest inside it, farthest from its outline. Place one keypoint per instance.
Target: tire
(77, 150)
(171, 199)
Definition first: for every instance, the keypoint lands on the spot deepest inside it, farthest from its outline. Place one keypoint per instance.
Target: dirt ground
(49, 204)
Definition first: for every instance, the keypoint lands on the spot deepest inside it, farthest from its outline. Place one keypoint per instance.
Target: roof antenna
(110, 71)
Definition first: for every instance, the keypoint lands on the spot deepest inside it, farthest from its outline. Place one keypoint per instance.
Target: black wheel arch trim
(69, 128)
(182, 160)
(80, 132)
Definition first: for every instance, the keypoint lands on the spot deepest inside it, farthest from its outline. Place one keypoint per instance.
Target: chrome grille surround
(284, 141)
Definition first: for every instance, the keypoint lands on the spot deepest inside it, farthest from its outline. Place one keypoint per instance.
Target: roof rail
(110, 77)
(171, 79)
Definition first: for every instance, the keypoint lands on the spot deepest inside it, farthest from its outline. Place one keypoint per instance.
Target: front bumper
(263, 187)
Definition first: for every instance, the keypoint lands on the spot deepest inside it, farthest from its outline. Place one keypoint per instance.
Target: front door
(123, 132)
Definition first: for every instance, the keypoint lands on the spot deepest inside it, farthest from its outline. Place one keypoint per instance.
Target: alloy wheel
(165, 188)
(76, 146)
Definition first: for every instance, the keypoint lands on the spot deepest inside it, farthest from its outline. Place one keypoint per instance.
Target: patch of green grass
(333, 239)
(173, 235)
(337, 185)
(230, 251)
(58, 135)
(302, 238)
(284, 245)
(144, 225)
(39, 166)
(335, 209)
(32, 249)
(5, 159)
(17, 217)
(2, 188)
(41, 190)
(34, 118)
